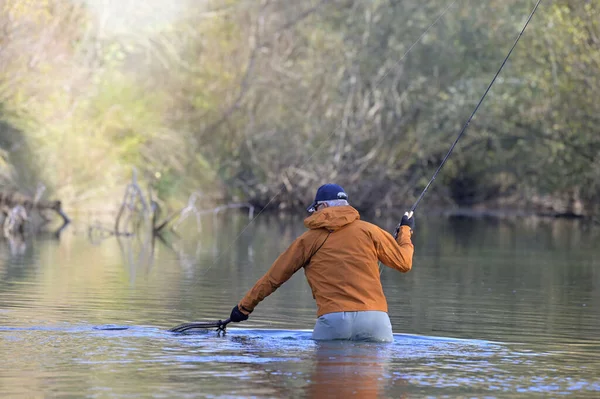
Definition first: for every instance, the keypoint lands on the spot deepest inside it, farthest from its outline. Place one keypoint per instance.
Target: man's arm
(397, 254)
(288, 263)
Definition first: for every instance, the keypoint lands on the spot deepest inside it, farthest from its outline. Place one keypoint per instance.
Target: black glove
(237, 315)
(408, 220)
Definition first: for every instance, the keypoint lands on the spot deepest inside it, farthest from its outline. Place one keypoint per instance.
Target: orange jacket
(340, 256)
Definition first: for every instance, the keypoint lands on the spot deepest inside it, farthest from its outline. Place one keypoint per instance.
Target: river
(492, 308)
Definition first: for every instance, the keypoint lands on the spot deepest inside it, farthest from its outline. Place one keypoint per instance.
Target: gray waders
(366, 325)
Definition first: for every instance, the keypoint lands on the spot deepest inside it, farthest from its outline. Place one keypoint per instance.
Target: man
(339, 254)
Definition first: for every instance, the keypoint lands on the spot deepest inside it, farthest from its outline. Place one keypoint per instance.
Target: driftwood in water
(14, 220)
(192, 209)
(135, 208)
(17, 210)
(138, 210)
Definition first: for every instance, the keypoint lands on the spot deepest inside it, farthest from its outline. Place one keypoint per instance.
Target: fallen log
(10, 200)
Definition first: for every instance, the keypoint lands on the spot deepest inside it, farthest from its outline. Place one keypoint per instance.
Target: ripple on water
(412, 363)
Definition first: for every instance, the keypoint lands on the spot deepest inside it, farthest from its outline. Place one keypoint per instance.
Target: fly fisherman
(339, 254)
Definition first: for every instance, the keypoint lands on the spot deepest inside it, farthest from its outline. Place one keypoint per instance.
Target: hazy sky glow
(122, 16)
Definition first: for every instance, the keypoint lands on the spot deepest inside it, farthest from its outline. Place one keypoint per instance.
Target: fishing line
(414, 207)
(377, 83)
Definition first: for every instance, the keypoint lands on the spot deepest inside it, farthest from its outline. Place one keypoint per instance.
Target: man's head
(328, 192)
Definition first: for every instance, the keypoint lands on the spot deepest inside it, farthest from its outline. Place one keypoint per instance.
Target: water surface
(491, 309)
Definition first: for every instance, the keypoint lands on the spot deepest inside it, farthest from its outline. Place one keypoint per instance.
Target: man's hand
(237, 315)
(408, 220)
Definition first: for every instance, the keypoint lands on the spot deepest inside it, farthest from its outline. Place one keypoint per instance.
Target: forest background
(248, 100)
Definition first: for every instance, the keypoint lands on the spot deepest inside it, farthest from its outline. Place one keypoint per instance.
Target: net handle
(219, 325)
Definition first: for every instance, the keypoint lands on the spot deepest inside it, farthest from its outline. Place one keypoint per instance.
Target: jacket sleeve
(288, 263)
(396, 254)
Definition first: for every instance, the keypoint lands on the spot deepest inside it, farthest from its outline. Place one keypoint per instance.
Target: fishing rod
(220, 325)
(414, 207)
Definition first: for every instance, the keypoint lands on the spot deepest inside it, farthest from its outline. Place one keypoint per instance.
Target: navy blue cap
(328, 192)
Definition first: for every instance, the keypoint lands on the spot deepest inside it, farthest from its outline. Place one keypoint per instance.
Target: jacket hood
(332, 218)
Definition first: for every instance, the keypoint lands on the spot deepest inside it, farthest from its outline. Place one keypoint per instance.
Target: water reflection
(346, 369)
(16, 244)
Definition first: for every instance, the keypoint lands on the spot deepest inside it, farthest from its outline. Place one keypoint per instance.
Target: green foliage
(267, 100)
